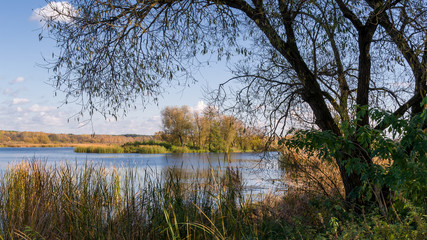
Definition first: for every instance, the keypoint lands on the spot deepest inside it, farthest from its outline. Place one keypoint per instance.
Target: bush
(176, 149)
(399, 154)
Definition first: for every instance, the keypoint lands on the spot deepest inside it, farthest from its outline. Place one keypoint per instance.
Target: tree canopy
(209, 131)
(314, 62)
(177, 122)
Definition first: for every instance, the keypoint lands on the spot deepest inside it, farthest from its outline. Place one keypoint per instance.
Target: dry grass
(27, 145)
(92, 202)
(312, 175)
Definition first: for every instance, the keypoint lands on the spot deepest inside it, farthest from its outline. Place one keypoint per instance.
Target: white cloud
(41, 109)
(19, 109)
(49, 120)
(20, 100)
(18, 80)
(199, 107)
(54, 11)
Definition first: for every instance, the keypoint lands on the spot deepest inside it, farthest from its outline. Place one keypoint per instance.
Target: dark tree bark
(312, 93)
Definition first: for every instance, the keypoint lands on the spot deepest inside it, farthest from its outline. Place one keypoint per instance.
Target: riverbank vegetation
(66, 201)
(39, 201)
(316, 65)
(158, 147)
(147, 147)
(98, 149)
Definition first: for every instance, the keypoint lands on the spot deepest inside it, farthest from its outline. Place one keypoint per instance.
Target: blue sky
(27, 101)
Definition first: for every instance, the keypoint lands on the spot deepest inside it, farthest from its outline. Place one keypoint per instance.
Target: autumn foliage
(29, 139)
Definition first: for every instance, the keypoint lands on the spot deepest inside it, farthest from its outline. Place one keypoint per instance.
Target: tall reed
(39, 201)
(98, 149)
(93, 202)
(145, 149)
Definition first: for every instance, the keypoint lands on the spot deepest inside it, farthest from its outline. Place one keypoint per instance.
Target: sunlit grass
(98, 149)
(67, 201)
(38, 145)
(146, 149)
(158, 147)
(94, 202)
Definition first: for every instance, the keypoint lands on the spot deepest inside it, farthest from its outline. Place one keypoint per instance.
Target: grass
(157, 147)
(66, 201)
(151, 149)
(98, 149)
(149, 143)
(27, 145)
(92, 202)
(146, 147)
(185, 149)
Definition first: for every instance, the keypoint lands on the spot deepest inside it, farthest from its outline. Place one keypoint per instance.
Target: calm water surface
(260, 172)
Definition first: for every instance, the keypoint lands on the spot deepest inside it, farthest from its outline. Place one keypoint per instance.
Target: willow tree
(312, 63)
(177, 122)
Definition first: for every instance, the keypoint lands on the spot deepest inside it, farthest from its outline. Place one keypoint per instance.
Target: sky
(28, 103)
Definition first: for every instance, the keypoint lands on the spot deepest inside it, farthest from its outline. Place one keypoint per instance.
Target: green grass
(147, 147)
(149, 143)
(157, 147)
(92, 202)
(151, 149)
(98, 149)
(176, 149)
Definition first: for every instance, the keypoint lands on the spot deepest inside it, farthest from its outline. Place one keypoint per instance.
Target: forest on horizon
(34, 139)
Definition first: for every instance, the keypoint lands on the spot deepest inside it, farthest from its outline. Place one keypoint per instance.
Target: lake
(260, 172)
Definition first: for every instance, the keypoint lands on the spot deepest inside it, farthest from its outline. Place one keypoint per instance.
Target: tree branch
(401, 110)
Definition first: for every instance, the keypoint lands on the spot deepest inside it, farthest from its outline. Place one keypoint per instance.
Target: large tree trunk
(181, 141)
(311, 91)
(364, 76)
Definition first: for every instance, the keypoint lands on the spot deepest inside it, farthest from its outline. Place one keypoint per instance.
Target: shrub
(399, 153)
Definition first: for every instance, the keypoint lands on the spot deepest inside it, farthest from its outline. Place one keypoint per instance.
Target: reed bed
(311, 175)
(38, 201)
(98, 149)
(177, 149)
(151, 147)
(145, 149)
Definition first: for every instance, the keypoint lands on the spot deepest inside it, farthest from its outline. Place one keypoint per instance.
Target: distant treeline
(187, 131)
(15, 139)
